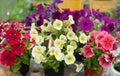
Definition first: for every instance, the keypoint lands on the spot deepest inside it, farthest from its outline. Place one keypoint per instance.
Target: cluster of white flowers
(63, 47)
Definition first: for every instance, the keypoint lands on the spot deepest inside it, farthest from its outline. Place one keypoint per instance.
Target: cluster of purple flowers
(83, 18)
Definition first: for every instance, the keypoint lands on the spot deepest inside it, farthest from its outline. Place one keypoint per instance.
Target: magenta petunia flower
(86, 24)
(107, 42)
(87, 51)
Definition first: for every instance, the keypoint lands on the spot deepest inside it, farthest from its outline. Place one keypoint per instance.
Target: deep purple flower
(86, 24)
(40, 8)
(58, 1)
(118, 12)
(65, 14)
(118, 29)
(105, 28)
(76, 15)
(28, 20)
(74, 27)
(40, 21)
(108, 20)
(110, 27)
(118, 22)
(56, 15)
(83, 12)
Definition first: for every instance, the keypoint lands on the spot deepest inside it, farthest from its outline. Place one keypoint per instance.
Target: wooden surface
(72, 4)
(103, 5)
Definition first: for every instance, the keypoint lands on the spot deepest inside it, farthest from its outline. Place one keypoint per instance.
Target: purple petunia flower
(40, 21)
(74, 27)
(40, 8)
(110, 27)
(118, 29)
(76, 15)
(56, 15)
(65, 14)
(108, 20)
(86, 24)
(118, 12)
(28, 20)
(105, 28)
(58, 1)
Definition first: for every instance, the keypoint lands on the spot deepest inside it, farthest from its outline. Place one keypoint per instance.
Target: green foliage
(92, 63)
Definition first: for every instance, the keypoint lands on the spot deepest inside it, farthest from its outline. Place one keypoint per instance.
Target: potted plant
(14, 47)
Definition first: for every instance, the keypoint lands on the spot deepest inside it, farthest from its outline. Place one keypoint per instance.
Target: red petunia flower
(105, 60)
(18, 48)
(12, 36)
(87, 51)
(107, 42)
(7, 58)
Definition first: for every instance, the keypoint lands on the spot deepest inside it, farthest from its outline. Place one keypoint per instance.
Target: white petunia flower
(83, 38)
(58, 24)
(71, 35)
(50, 27)
(33, 32)
(73, 43)
(59, 43)
(39, 58)
(38, 50)
(69, 59)
(71, 21)
(43, 28)
(40, 40)
(52, 50)
(79, 67)
(70, 49)
(33, 26)
(63, 37)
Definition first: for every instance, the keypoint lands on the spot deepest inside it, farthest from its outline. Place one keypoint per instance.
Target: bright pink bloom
(107, 42)
(87, 51)
(93, 35)
(105, 60)
(27, 35)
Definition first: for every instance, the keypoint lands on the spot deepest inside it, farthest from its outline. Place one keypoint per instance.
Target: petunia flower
(86, 24)
(107, 42)
(87, 51)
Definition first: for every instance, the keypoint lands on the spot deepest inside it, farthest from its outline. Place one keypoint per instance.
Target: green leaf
(71, 74)
(15, 68)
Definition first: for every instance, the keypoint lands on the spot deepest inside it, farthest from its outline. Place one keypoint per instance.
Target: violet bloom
(28, 20)
(118, 29)
(118, 12)
(86, 24)
(83, 12)
(110, 27)
(65, 14)
(58, 1)
(105, 28)
(56, 15)
(40, 8)
(76, 15)
(74, 27)
(40, 21)
(108, 20)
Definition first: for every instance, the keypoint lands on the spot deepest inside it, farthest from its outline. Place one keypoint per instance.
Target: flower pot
(79, 57)
(114, 72)
(24, 69)
(89, 72)
(51, 72)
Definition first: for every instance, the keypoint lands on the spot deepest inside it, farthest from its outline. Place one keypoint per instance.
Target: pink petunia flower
(87, 51)
(93, 35)
(107, 42)
(105, 60)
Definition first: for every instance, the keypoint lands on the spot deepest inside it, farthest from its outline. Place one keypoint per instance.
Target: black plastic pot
(51, 72)
(79, 58)
(24, 69)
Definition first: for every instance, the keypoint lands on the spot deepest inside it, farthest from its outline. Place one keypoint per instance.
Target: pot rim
(114, 70)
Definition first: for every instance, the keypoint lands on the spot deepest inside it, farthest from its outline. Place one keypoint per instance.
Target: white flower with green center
(74, 44)
(38, 50)
(83, 38)
(58, 24)
(69, 59)
(63, 38)
(70, 49)
(78, 67)
(33, 32)
(71, 21)
(59, 43)
(40, 40)
(52, 50)
(39, 58)
(71, 35)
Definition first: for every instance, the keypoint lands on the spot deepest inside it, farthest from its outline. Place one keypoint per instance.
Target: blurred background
(18, 9)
